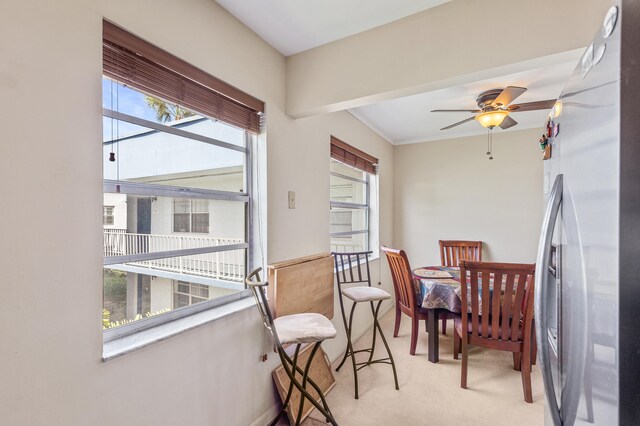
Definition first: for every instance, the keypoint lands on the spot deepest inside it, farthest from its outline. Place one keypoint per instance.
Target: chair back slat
(475, 308)
(403, 282)
(496, 304)
(507, 308)
(486, 298)
(349, 270)
(505, 293)
(453, 251)
(517, 305)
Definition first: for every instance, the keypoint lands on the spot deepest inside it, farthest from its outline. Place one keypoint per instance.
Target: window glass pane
(181, 222)
(200, 222)
(181, 205)
(147, 224)
(151, 156)
(200, 206)
(137, 290)
(350, 243)
(347, 191)
(180, 300)
(346, 220)
(117, 97)
(343, 169)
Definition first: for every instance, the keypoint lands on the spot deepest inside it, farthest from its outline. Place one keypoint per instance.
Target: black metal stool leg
(373, 340)
(288, 397)
(305, 394)
(351, 351)
(313, 384)
(347, 328)
(304, 381)
(376, 324)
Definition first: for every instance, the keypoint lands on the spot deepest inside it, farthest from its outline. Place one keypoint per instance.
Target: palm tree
(166, 111)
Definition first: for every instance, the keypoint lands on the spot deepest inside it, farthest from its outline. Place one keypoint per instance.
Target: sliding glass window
(176, 210)
(177, 203)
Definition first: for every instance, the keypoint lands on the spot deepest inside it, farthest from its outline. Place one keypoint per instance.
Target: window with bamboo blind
(352, 194)
(177, 185)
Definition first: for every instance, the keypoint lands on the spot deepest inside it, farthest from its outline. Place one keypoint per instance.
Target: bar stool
(346, 263)
(295, 329)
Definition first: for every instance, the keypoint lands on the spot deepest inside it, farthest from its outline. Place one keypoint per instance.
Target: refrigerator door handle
(542, 283)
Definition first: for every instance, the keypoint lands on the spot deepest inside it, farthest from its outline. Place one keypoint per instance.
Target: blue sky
(127, 101)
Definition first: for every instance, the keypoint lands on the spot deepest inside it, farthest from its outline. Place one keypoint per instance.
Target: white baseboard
(265, 418)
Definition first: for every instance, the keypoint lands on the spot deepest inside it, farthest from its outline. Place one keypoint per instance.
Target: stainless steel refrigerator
(587, 304)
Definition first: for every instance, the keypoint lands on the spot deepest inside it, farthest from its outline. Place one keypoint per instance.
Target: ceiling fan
(495, 106)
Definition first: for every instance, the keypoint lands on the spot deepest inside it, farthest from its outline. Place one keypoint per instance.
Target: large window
(177, 187)
(352, 176)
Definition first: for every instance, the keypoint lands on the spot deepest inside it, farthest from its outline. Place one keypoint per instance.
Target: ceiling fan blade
(507, 122)
(532, 106)
(508, 95)
(455, 110)
(459, 123)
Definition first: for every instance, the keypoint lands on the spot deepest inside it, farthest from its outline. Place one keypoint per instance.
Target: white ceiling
(292, 26)
(409, 120)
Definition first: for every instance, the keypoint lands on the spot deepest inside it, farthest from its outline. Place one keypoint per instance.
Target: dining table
(439, 290)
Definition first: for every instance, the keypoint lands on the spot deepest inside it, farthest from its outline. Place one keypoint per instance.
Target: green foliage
(166, 111)
(115, 285)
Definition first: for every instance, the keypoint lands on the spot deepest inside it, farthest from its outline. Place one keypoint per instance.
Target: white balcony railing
(224, 265)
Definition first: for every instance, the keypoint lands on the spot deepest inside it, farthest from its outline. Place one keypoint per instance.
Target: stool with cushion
(353, 268)
(297, 329)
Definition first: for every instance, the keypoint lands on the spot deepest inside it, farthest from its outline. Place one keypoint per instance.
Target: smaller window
(187, 294)
(351, 175)
(190, 215)
(107, 215)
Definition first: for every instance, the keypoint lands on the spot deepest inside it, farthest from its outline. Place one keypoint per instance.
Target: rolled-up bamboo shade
(141, 65)
(352, 156)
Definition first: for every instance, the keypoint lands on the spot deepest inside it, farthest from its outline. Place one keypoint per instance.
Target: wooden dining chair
(451, 252)
(500, 299)
(406, 294)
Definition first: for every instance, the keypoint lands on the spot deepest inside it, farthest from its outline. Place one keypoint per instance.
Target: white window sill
(362, 262)
(132, 342)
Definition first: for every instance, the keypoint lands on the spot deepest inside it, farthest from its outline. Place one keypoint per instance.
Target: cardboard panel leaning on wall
(449, 189)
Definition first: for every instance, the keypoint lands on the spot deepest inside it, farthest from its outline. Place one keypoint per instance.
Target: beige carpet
(430, 394)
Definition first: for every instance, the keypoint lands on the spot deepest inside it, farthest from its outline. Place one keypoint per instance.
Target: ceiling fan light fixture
(491, 119)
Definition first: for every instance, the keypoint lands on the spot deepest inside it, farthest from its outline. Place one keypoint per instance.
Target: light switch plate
(292, 199)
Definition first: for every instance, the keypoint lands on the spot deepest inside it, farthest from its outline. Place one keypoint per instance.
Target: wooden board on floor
(302, 285)
(320, 372)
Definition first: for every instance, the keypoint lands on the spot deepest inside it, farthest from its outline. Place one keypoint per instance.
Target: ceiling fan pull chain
(488, 139)
(490, 145)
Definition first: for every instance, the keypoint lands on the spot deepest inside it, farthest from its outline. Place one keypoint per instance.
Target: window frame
(106, 215)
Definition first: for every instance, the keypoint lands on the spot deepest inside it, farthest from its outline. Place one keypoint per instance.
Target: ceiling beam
(455, 43)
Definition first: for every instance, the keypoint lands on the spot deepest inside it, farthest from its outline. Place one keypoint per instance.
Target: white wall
(440, 47)
(449, 189)
(51, 155)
